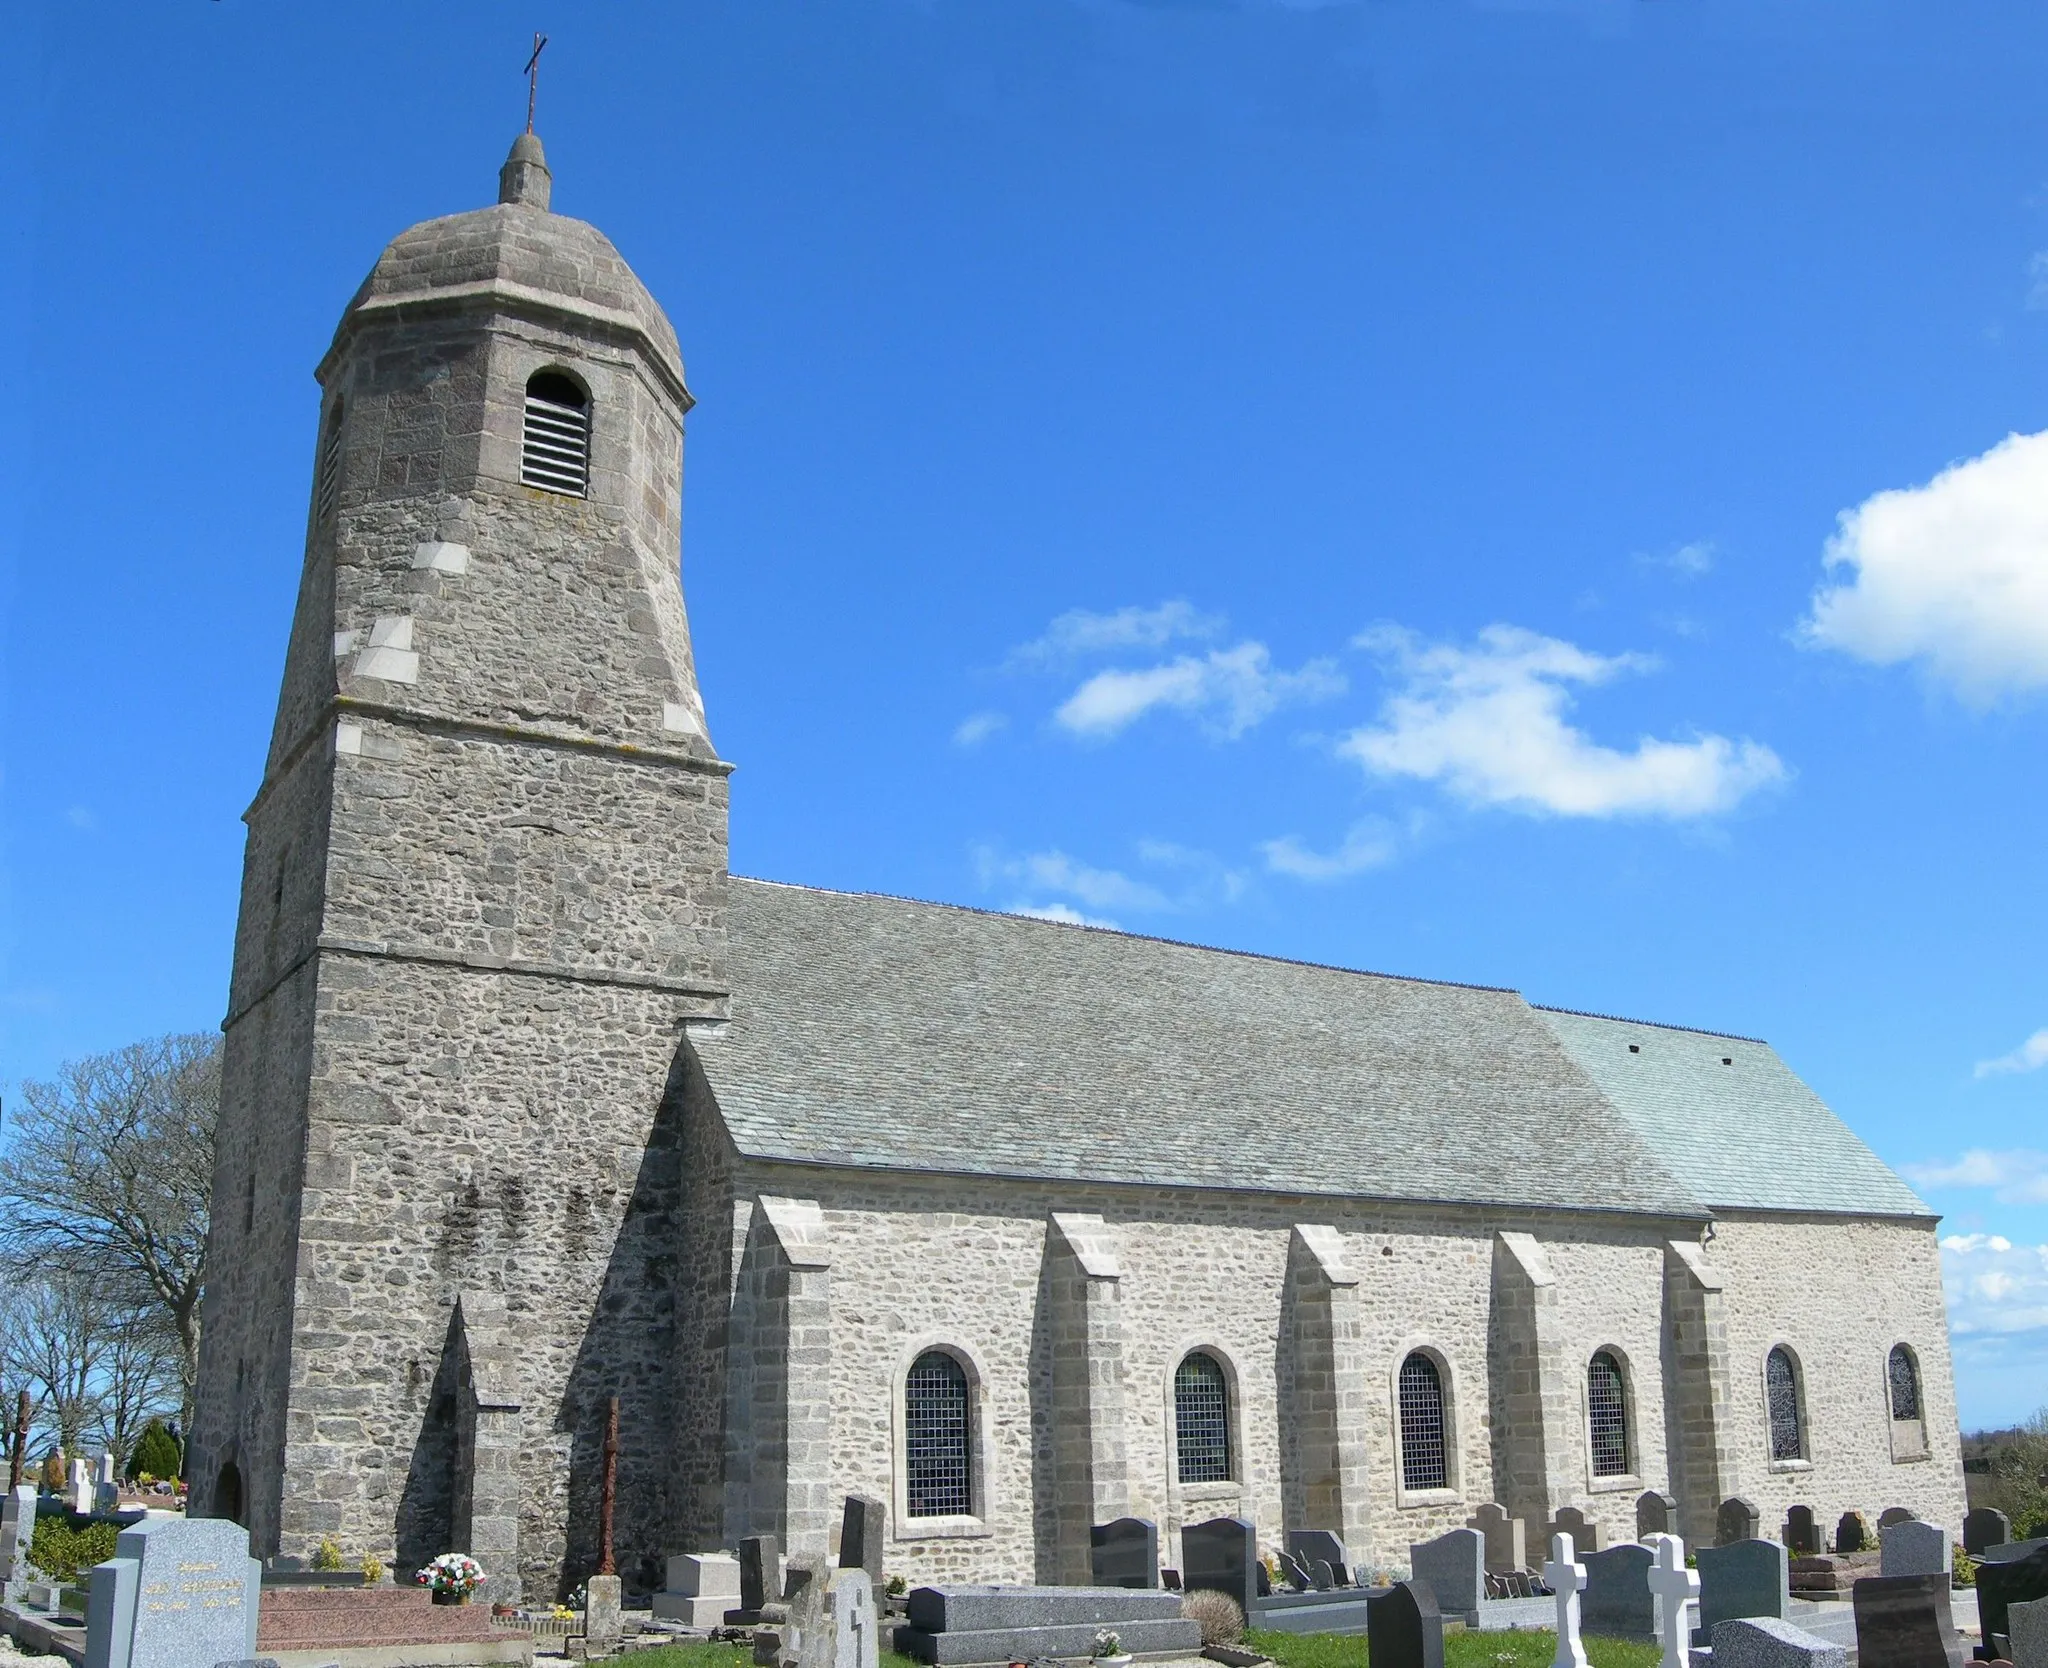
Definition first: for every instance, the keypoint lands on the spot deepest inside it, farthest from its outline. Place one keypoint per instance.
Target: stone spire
(525, 177)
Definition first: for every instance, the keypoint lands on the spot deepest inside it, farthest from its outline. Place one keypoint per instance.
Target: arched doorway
(227, 1494)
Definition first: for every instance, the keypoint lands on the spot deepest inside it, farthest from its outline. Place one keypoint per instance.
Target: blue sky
(1517, 492)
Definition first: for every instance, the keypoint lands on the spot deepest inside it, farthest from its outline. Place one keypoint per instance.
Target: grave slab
(1656, 1513)
(856, 1627)
(956, 1648)
(1506, 1538)
(863, 1535)
(1851, 1535)
(1767, 1642)
(966, 1609)
(17, 1531)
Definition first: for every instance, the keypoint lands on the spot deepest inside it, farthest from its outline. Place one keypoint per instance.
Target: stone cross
(1567, 1580)
(1677, 1589)
(540, 42)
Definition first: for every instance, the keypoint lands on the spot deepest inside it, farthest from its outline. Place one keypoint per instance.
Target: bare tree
(137, 1381)
(108, 1175)
(56, 1337)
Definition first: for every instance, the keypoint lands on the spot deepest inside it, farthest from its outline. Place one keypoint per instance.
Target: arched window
(1607, 1409)
(327, 474)
(554, 452)
(1425, 1462)
(937, 1455)
(1781, 1390)
(1905, 1382)
(1201, 1419)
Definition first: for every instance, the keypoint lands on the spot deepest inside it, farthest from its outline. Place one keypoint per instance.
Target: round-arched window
(1781, 1391)
(1904, 1377)
(1201, 1419)
(1425, 1456)
(1607, 1408)
(937, 1440)
(554, 447)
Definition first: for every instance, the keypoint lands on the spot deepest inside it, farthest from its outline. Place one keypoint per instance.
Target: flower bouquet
(1109, 1649)
(453, 1577)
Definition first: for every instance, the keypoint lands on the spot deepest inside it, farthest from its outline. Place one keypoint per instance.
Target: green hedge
(65, 1547)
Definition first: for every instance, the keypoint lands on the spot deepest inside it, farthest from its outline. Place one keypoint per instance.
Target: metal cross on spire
(540, 41)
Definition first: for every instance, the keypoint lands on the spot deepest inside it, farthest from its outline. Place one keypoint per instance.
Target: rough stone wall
(1840, 1294)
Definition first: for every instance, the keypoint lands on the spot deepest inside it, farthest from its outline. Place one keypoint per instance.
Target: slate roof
(1746, 1134)
(874, 1031)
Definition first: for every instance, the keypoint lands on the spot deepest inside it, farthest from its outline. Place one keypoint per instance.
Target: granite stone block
(2026, 1628)
(1767, 1642)
(965, 1609)
(1178, 1635)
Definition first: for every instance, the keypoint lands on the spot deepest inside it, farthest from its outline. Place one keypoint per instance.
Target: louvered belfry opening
(1201, 1419)
(554, 449)
(1424, 1460)
(1905, 1382)
(937, 1451)
(1781, 1386)
(1607, 1405)
(328, 476)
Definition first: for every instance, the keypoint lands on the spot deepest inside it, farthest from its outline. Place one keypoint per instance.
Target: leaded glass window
(1425, 1462)
(936, 1444)
(1201, 1419)
(1781, 1387)
(1606, 1402)
(1905, 1381)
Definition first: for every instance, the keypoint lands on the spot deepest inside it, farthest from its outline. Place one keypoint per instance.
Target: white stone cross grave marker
(1567, 1581)
(1678, 1590)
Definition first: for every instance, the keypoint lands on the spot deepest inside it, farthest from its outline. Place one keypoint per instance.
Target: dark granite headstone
(1170, 1580)
(1223, 1556)
(1799, 1532)
(2005, 1582)
(1322, 1575)
(863, 1533)
(1893, 1514)
(1616, 1603)
(1403, 1628)
(1297, 1577)
(1741, 1581)
(1587, 1536)
(1851, 1533)
(1903, 1621)
(1737, 1520)
(1308, 1545)
(1656, 1514)
(1985, 1527)
(760, 1572)
(1124, 1553)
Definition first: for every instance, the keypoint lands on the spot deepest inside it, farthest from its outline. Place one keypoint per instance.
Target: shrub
(54, 1474)
(156, 1451)
(1965, 1568)
(373, 1569)
(1221, 1621)
(327, 1555)
(64, 1546)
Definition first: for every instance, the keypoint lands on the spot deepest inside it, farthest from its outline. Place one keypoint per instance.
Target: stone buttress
(483, 902)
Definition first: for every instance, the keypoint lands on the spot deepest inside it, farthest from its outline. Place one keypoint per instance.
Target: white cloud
(2031, 1055)
(1188, 880)
(1055, 871)
(1229, 690)
(2019, 1174)
(1953, 574)
(1059, 912)
(1079, 632)
(1489, 723)
(2037, 273)
(1688, 561)
(1367, 845)
(973, 730)
(82, 818)
(1993, 1285)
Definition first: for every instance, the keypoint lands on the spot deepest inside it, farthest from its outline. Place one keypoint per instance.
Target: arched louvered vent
(327, 478)
(554, 451)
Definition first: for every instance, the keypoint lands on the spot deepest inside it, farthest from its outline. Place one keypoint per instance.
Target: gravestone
(1745, 1581)
(1506, 1539)
(1322, 1575)
(1586, 1536)
(1296, 1576)
(2027, 1632)
(1800, 1534)
(1567, 1580)
(1736, 1520)
(1656, 1514)
(1403, 1627)
(604, 1601)
(1916, 1548)
(1313, 1545)
(1453, 1567)
(17, 1530)
(1903, 1621)
(863, 1532)
(855, 1627)
(701, 1588)
(106, 1487)
(1126, 1553)
(1985, 1527)
(1893, 1514)
(2008, 1582)
(793, 1630)
(1617, 1604)
(1676, 1592)
(1851, 1534)
(80, 1489)
(1764, 1642)
(1223, 1556)
(761, 1575)
(178, 1593)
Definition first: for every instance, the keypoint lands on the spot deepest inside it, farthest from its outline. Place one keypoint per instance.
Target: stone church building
(529, 1103)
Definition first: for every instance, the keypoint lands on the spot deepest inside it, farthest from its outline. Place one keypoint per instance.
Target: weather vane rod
(533, 75)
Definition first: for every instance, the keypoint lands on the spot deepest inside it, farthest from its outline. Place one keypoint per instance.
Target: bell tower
(482, 904)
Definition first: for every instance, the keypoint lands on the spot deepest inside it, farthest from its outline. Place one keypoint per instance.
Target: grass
(704, 1653)
(1528, 1648)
